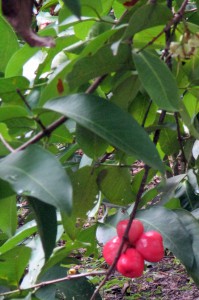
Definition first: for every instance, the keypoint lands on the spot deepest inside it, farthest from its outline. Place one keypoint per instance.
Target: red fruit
(111, 248)
(135, 231)
(130, 3)
(150, 246)
(131, 263)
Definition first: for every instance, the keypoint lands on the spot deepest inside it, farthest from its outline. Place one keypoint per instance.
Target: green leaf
(18, 60)
(8, 215)
(46, 218)
(9, 43)
(91, 144)
(13, 264)
(189, 198)
(148, 16)
(8, 91)
(43, 178)
(115, 184)
(168, 141)
(110, 123)
(157, 80)
(175, 236)
(5, 189)
(21, 234)
(100, 63)
(192, 227)
(74, 6)
(125, 90)
(85, 190)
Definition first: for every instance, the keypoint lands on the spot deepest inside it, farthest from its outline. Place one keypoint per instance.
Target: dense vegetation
(87, 130)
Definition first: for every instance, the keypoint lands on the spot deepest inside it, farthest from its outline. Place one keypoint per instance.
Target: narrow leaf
(43, 178)
(157, 80)
(8, 215)
(109, 122)
(192, 226)
(46, 218)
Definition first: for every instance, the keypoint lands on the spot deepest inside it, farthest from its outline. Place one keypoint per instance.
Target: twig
(45, 283)
(5, 143)
(146, 113)
(60, 121)
(39, 122)
(125, 236)
(180, 137)
(176, 19)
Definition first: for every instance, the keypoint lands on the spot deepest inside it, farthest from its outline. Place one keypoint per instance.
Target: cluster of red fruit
(140, 246)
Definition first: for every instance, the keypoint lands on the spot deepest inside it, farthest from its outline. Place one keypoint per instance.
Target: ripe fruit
(131, 263)
(110, 249)
(150, 246)
(135, 231)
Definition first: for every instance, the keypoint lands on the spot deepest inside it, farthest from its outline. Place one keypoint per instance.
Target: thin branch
(39, 122)
(60, 121)
(45, 283)
(5, 143)
(42, 133)
(125, 236)
(146, 113)
(180, 137)
(176, 19)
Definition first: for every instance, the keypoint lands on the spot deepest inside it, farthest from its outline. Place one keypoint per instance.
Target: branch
(176, 19)
(45, 283)
(39, 122)
(125, 236)
(47, 130)
(5, 143)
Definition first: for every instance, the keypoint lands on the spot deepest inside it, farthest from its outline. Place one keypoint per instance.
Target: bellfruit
(111, 248)
(135, 231)
(150, 246)
(131, 263)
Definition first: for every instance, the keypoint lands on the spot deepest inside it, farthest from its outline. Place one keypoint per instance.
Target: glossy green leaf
(8, 215)
(91, 144)
(8, 89)
(168, 141)
(21, 234)
(115, 184)
(74, 6)
(192, 227)
(5, 189)
(13, 264)
(18, 60)
(189, 198)
(125, 90)
(109, 122)
(100, 63)
(8, 112)
(148, 16)
(9, 43)
(157, 80)
(43, 179)
(85, 191)
(46, 218)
